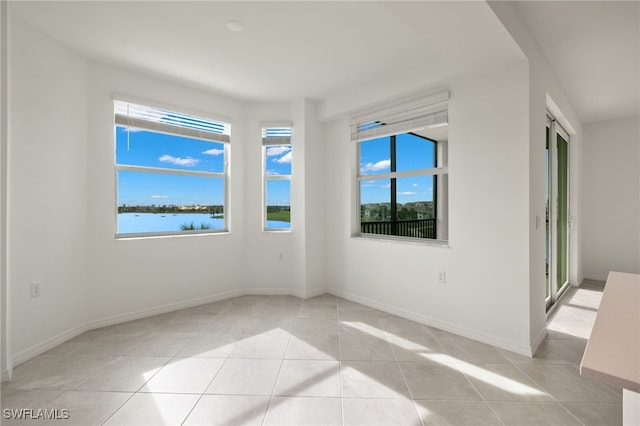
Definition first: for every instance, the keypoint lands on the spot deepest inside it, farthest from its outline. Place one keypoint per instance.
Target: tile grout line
(444, 348)
(404, 379)
(483, 398)
(119, 408)
(553, 398)
(340, 368)
(204, 392)
(275, 383)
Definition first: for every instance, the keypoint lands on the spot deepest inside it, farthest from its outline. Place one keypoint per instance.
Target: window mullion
(393, 187)
(129, 168)
(278, 177)
(409, 173)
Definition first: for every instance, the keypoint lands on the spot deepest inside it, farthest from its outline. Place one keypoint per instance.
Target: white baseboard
(45, 345)
(163, 309)
(315, 292)
(595, 277)
(433, 322)
(303, 294)
(283, 291)
(5, 375)
(54, 341)
(538, 341)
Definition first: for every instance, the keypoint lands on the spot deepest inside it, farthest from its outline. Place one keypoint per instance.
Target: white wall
(62, 213)
(47, 188)
(4, 350)
(544, 93)
(495, 262)
(309, 198)
(487, 263)
(133, 277)
(611, 224)
(265, 273)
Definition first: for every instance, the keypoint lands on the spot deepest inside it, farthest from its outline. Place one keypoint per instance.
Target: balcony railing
(415, 228)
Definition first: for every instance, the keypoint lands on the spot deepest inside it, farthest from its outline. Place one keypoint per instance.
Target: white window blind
(163, 121)
(276, 135)
(422, 113)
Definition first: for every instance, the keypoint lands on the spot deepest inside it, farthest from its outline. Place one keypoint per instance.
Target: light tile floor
(280, 360)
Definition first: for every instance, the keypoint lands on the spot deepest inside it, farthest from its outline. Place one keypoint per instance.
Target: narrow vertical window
(277, 154)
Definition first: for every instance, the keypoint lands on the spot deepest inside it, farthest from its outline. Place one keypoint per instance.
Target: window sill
(425, 242)
(149, 236)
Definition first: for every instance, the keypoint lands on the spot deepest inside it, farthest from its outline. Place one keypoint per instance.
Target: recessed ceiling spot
(235, 26)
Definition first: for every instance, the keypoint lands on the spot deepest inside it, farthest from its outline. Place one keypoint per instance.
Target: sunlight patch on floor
(504, 383)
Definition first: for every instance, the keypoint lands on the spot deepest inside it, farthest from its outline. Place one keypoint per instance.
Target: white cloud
(415, 185)
(284, 159)
(213, 151)
(407, 193)
(375, 167)
(272, 151)
(159, 196)
(387, 186)
(188, 162)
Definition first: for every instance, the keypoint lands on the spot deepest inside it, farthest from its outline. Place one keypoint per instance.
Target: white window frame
(275, 134)
(422, 112)
(146, 119)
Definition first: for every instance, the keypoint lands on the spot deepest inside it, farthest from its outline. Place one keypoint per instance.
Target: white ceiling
(593, 48)
(320, 50)
(287, 50)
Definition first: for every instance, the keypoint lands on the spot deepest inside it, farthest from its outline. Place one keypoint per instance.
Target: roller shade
(422, 113)
(276, 135)
(163, 121)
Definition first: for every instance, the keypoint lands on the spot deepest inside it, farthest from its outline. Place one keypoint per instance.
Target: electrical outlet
(35, 289)
(441, 277)
(281, 257)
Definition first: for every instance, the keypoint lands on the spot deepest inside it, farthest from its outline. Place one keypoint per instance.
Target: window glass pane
(158, 202)
(415, 190)
(278, 160)
(375, 206)
(278, 204)
(414, 153)
(137, 147)
(375, 156)
(415, 207)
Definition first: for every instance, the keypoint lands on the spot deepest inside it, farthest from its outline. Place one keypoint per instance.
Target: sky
(150, 149)
(278, 162)
(412, 153)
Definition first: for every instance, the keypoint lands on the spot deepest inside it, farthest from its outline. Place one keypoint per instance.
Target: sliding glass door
(557, 211)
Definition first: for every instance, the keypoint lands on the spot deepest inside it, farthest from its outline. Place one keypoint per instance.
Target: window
(171, 172)
(276, 145)
(402, 179)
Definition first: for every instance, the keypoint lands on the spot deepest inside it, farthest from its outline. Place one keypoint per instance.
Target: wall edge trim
(40, 348)
(5, 375)
(432, 322)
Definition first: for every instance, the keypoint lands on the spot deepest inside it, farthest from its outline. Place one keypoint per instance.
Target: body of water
(139, 223)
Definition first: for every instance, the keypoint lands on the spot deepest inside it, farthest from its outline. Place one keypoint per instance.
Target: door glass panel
(562, 238)
(547, 223)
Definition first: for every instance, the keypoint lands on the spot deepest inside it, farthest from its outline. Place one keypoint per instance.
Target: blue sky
(149, 149)
(412, 153)
(144, 148)
(278, 162)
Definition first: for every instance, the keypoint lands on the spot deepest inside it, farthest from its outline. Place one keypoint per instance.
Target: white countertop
(613, 351)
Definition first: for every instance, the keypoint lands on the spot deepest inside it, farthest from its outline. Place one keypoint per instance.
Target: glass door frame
(553, 289)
